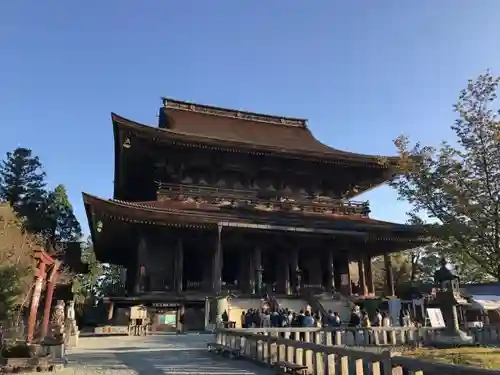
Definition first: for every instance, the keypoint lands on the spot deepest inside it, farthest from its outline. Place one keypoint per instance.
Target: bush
(10, 291)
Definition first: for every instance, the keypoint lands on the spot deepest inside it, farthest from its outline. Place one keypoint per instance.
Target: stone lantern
(446, 281)
(448, 298)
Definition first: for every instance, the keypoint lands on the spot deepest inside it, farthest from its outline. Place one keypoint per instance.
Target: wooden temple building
(215, 200)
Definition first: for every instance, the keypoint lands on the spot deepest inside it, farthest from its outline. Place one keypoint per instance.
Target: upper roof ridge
(233, 113)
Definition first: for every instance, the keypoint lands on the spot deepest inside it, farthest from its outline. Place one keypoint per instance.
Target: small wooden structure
(47, 271)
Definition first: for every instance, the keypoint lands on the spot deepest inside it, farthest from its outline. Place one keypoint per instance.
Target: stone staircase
(324, 302)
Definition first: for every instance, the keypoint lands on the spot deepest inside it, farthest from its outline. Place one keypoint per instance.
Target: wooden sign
(436, 318)
(161, 304)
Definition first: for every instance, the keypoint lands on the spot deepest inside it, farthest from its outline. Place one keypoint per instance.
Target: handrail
(312, 300)
(321, 357)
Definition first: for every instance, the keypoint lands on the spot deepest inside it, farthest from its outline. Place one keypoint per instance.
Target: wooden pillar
(330, 273)
(286, 270)
(369, 275)
(35, 299)
(51, 284)
(388, 275)
(140, 280)
(294, 267)
(217, 263)
(251, 274)
(258, 270)
(363, 290)
(283, 272)
(179, 266)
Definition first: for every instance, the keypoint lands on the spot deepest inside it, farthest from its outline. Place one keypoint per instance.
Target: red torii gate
(47, 269)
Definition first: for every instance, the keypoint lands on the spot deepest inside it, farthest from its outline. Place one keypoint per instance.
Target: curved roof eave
(139, 210)
(190, 137)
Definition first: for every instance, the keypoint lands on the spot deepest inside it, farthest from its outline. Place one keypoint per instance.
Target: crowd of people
(264, 318)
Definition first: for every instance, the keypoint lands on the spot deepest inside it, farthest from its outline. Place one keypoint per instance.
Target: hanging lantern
(127, 143)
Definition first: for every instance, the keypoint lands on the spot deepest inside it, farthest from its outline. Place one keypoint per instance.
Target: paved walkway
(153, 355)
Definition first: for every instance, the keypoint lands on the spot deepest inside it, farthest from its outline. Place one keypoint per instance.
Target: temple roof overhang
(182, 214)
(239, 134)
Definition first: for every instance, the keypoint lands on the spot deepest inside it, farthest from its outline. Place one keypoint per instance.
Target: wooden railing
(272, 200)
(322, 358)
(485, 335)
(392, 336)
(379, 336)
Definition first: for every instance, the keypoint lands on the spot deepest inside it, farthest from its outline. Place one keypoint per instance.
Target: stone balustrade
(268, 347)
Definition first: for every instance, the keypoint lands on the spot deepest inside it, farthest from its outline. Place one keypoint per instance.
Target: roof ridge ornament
(233, 113)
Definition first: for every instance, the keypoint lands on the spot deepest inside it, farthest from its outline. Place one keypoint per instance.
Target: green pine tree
(22, 183)
(57, 222)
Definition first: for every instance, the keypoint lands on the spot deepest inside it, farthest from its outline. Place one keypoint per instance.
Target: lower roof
(199, 214)
(117, 244)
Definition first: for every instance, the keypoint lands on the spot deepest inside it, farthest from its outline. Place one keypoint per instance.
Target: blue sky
(362, 72)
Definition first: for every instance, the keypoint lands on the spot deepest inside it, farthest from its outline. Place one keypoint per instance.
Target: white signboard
(436, 318)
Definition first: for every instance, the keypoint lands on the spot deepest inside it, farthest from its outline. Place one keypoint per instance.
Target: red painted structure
(44, 263)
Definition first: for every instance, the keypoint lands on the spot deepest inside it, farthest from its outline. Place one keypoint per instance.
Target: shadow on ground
(158, 355)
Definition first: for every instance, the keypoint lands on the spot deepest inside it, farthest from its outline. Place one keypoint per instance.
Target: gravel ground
(153, 355)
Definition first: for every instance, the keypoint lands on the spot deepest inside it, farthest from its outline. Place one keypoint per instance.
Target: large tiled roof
(240, 129)
(284, 134)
